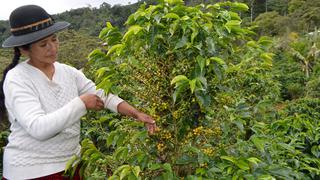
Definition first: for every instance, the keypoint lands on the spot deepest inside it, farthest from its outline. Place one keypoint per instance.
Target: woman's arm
(113, 102)
(126, 109)
(86, 86)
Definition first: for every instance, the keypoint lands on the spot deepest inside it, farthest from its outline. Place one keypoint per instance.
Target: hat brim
(15, 41)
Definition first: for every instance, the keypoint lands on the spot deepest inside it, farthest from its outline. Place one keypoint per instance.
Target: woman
(45, 99)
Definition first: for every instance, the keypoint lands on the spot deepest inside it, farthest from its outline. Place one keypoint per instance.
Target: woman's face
(45, 50)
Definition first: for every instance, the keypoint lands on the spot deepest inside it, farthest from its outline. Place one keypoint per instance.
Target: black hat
(31, 23)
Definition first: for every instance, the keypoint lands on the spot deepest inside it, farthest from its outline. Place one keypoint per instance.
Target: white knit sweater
(45, 118)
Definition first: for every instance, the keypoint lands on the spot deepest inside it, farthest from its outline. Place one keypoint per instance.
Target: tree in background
(306, 14)
(272, 23)
(280, 6)
(295, 5)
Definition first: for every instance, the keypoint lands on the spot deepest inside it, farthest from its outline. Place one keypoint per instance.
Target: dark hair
(15, 61)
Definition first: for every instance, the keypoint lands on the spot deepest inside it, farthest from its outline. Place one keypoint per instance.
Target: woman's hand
(148, 121)
(92, 101)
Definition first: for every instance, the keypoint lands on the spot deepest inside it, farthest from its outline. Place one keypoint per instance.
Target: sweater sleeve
(30, 115)
(85, 85)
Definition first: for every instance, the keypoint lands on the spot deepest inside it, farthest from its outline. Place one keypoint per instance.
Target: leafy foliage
(272, 23)
(296, 64)
(3, 141)
(303, 16)
(205, 81)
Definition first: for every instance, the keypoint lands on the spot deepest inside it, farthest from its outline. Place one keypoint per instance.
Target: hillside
(278, 14)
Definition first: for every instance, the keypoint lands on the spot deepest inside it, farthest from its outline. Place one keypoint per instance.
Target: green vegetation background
(292, 25)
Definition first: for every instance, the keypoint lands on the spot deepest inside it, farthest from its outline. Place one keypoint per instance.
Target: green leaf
(138, 136)
(267, 56)
(258, 142)
(203, 98)
(141, 156)
(173, 27)
(203, 81)
(100, 72)
(239, 125)
(97, 55)
(229, 158)
(75, 167)
(194, 34)
(110, 35)
(179, 78)
(116, 48)
(234, 16)
(232, 23)
(154, 167)
(158, 18)
(88, 153)
(254, 160)
(95, 156)
(121, 153)
(242, 165)
(133, 30)
(167, 167)
(201, 62)
(119, 169)
(235, 177)
(150, 10)
(266, 177)
(136, 171)
(114, 177)
(103, 33)
(141, 12)
(179, 89)
(208, 27)
(184, 18)
(287, 147)
(105, 84)
(109, 25)
(193, 85)
(239, 6)
(214, 6)
(216, 60)
(171, 16)
(200, 171)
(265, 41)
(315, 151)
(125, 172)
(252, 44)
(202, 158)
(284, 172)
(199, 46)
(120, 140)
(106, 30)
(111, 137)
(182, 42)
(185, 159)
(173, 2)
(229, 170)
(132, 177)
(211, 45)
(71, 162)
(167, 175)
